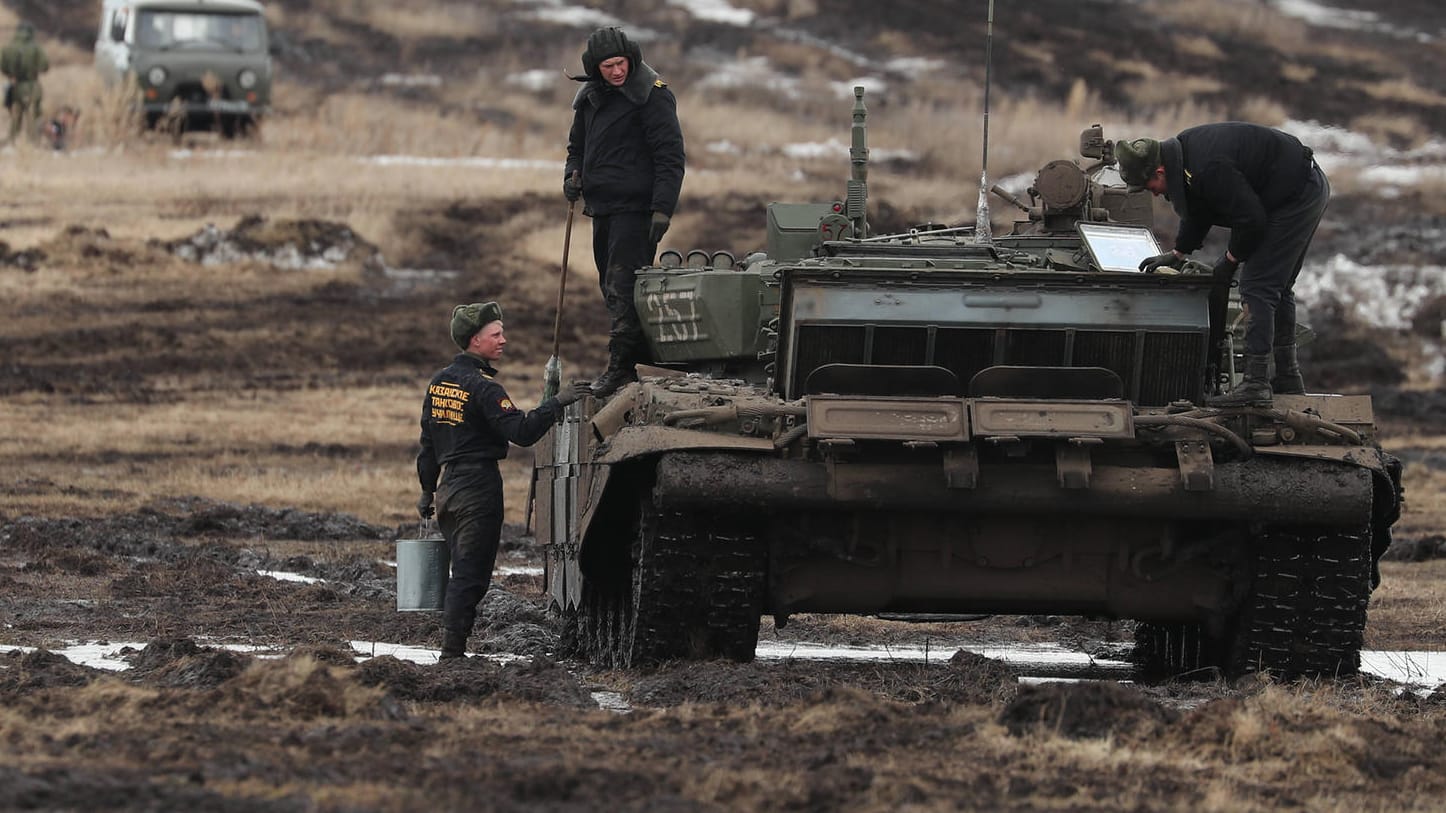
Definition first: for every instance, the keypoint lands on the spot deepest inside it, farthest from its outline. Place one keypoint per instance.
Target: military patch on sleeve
(506, 403)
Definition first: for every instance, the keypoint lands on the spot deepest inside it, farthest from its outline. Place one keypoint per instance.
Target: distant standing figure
(1265, 186)
(625, 160)
(467, 422)
(22, 62)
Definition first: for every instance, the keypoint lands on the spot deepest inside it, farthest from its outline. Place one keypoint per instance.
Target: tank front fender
(1263, 489)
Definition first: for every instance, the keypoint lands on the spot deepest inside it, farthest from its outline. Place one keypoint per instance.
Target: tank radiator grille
(1156, 368)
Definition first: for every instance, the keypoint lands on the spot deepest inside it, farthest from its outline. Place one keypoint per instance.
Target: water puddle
(421, 655)
(1417, 670)
(284, 576)
(1032, 660)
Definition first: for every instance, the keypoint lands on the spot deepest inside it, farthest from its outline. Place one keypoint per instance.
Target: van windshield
(164, 30)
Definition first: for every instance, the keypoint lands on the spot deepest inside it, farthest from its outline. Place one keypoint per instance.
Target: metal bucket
(422, 570)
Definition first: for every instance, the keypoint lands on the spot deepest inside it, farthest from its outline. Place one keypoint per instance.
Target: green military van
(200, 64)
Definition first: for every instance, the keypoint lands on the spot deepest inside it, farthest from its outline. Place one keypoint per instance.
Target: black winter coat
(1231, 174)
(467, 417)
(628, 146)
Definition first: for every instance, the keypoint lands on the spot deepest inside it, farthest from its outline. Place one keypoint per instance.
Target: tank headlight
(156, 75)
(247, 78)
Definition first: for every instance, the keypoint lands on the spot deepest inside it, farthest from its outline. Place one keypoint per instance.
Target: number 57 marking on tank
(675, 316)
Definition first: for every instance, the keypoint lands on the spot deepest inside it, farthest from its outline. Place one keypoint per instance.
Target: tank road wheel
(1305, 614)
(696, 591)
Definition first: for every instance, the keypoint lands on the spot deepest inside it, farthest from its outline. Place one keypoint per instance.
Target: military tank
(945, 421)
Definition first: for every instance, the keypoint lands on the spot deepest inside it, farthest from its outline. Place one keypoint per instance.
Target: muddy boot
(1287, 380)
(454, 645)
(619, 372)
(1253, 389)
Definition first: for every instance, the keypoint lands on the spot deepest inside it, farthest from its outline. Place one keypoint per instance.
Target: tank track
(1304, 615)
(1176, 650)
(1306, 612)
(695, 591)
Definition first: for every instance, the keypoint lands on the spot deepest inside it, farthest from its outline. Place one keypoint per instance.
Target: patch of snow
(537, 79)
(716, 11)
(556, 11)
(1024, 655)
(1423, 670)
(411, 80)
(1387, 168)
(870, 84)
(753, 72)
(1399, 176)
(421, 655)
(724, 147)
(1349, 19)
(915, 66)
(1380, 295)
(186, 155)
(284, 576)
(833, 148)
(612, 701)
(804, 38)
(519, 570)
(468, 162)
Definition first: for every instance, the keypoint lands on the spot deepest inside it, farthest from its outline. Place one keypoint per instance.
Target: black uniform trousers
(1268, 276)
(620, 246)
(469, 510)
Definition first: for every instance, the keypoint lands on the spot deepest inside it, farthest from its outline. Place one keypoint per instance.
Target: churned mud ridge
(385, 734)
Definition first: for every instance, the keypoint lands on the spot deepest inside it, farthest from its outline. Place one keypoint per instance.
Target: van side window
(118, 24)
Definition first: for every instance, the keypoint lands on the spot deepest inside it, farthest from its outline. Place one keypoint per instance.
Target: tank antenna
(982, 231)
(858, 187)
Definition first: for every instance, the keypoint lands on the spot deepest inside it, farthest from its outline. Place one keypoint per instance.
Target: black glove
(424, 505)
(572, 187)
(573, 392)
(1169, 259)
(1224, 270)
(659, 227)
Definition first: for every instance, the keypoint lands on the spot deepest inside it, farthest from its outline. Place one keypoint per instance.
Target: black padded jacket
(627, 145)
(468, 417)
(1232, 174)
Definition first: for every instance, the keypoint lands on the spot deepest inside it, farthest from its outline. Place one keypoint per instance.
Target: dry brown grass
(105, 458)
(317, 159)
(1425, 510)
(1408, 610)
(1247, 20)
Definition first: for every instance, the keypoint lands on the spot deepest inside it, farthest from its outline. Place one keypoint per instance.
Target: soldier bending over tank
(1266, 187)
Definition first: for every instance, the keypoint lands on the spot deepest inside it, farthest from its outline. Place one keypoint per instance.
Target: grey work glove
(658, 227)
(573, 392)
(572, 187)
(424, 505)
(1169, 260)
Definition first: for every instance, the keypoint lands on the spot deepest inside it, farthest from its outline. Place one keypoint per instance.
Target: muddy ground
(247, 644)
(243, 689)
(300, 724)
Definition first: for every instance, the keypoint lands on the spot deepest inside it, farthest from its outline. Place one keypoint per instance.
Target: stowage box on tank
(947, 422)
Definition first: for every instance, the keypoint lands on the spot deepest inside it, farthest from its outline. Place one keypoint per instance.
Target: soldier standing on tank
(625, 159)
(467, 423)
(22, 62)
(1265, 186)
